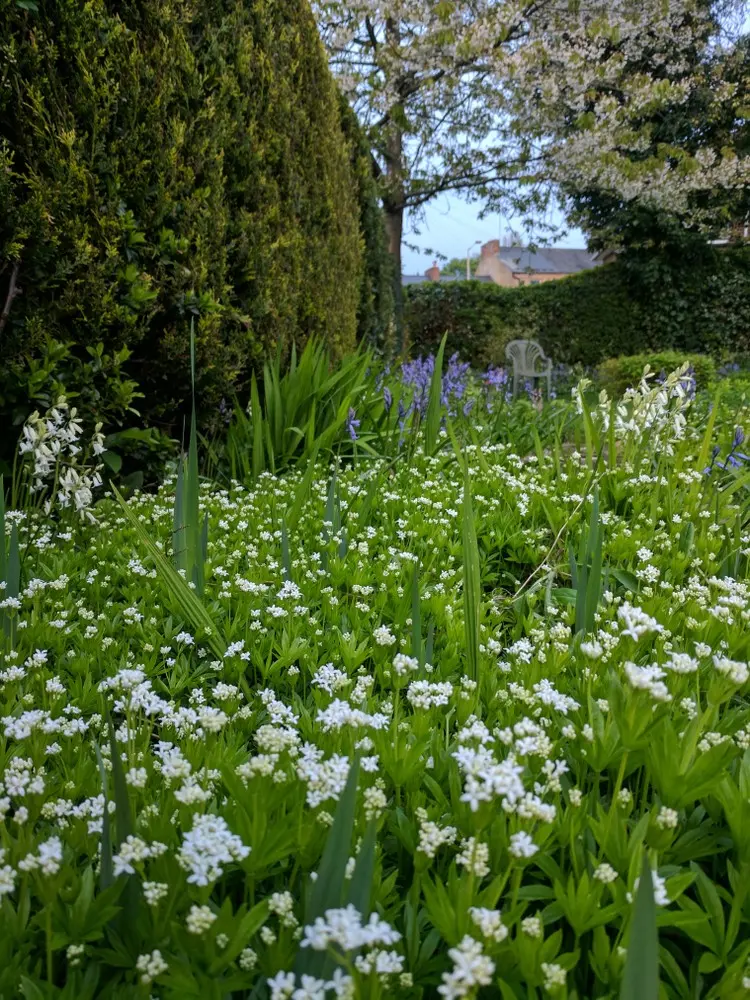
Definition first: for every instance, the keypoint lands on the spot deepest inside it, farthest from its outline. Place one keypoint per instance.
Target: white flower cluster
(207, 847)
(344, 929)
(471, 969)
(53, 444)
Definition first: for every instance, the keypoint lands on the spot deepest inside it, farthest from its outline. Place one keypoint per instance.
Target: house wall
(500, 273)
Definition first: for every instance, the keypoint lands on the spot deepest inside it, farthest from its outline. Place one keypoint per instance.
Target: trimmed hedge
(640, 304)
(164, 160)
(618, 374)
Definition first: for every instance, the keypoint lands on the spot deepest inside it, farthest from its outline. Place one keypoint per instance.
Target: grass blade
(179, 540)
(471, 582)
(123, 815)
(106, 872)
(127, 920)
(190, 606)
(434, 406)
(360, 887)
(256, 416)
(293, 513)
(328, 889)
(3, 557)
(641, 977)
(285, 560)
(192, 511)
(416, 616)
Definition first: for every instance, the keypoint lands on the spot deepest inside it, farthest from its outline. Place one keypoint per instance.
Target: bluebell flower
(387, 399)
(496, 378)
(352, 424)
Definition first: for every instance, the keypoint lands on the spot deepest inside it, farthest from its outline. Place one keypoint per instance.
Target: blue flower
(352, 424)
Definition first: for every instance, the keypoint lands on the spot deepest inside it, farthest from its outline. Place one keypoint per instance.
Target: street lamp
(468, 264)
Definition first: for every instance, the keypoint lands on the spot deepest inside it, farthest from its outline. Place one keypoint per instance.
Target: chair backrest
(524, 354)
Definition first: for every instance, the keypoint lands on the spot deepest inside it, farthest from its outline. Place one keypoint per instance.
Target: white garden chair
(529, 362)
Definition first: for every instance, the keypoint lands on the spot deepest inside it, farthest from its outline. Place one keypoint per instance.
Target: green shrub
(639, 304)
(376, 302)
(168, 159)
(618, 374)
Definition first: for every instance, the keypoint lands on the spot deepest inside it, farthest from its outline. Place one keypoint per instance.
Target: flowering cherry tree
(503, 100)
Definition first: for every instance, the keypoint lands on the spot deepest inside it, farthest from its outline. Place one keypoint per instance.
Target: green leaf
(184, 597)
(641, 977)
(416, 616)
(360, 887)
(434, 406)
(256, 416)
(328, 888)
(106, 874)
(123, 815)
(285, 560)
(112, 460)
(471, 582)
(179, 541)
(303, 492)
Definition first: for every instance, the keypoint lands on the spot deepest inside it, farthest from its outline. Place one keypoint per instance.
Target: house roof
(418, 279)
(550, 260)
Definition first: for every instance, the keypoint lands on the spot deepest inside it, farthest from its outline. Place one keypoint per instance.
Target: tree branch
(13, 290)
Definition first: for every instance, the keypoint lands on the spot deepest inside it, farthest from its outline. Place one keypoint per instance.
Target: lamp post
(468, 264)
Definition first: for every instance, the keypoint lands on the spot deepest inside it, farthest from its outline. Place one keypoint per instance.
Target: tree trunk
(394, 227)
(394, 197)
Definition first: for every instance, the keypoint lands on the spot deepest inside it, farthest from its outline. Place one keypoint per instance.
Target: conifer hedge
(169, 160)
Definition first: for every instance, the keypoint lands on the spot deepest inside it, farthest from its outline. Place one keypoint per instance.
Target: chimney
(433, 273)
(491, 248)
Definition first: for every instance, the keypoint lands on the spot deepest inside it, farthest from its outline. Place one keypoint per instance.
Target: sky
(452, 226)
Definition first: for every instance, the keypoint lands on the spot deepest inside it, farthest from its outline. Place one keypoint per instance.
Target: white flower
(383, 636)
(248, 959)
(605, 873)
(150, 966)
(344, 928)
(554, 975)
(281, 986)
(207, 847)
(471, 968)
(667, 818)
(48, 859)
(522, 846)
(489, 923)
(154, 892)
(199, 919)
(737, 673)
(475, 856)
(636, 622)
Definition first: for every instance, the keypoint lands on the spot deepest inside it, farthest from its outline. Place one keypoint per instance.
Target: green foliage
(617, 374)
(644, 302)
(168, 159)
(586, 571)
(496, 793)
(304, 410)
(375, 310)
(640, 980)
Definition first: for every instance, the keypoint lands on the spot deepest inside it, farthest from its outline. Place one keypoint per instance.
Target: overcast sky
(451, 225)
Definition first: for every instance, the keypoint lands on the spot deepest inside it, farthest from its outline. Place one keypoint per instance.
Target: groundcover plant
(410, 730)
